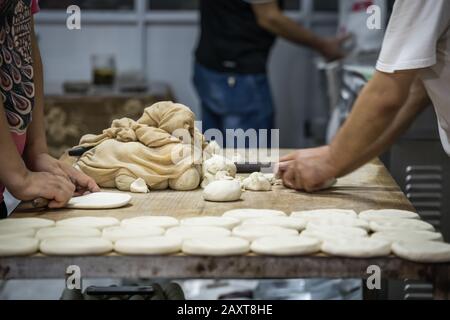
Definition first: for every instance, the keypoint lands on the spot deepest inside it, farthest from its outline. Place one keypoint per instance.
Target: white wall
(66, 55)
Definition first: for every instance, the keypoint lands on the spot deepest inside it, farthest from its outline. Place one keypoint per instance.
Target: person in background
(413, 70)
(26, 169)
(230, 74)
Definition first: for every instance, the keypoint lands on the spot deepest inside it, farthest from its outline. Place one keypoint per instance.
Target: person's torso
(437, 83)
(231, 39)
(16, 68)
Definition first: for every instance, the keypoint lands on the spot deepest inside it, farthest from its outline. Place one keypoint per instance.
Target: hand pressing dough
(21, 233)
(400, 224)
(197, 232)
(139, 186)
(222, 222)
(349, 231)
(116, 233)
(286, 246)
(75, 246)
(100, 200)
(252, 233)
(371, 215)
(424, 252)
(148, 246)
(225, 246)
(223, 191)
(257, 182)
(324, 214)
(407, 236)
(89, 222)
(343, 222)
(151, 221)
(10, 247)
(67, 232)
(244, 214)
(284, 222)
(25, 223)
(357, 248)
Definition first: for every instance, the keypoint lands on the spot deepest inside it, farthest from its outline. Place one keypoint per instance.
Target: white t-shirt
(418, 37)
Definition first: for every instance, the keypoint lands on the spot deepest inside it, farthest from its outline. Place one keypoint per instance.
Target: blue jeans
(234, 101)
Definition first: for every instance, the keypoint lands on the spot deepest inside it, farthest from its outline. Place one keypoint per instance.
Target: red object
(34, 6)
(361, 5)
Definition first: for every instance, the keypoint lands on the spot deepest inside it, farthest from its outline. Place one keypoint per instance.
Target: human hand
(308, 170)
(332, 48)
(82, 182)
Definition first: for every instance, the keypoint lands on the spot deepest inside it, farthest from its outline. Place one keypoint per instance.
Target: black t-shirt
(231, 39)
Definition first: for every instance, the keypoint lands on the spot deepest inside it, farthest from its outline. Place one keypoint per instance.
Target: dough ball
(408, 236)
(284, 222)
(64, 232)
(148, 246)
(244, 214)
(225, 246)
(151, 221)
(100, 200)
(75, 246)
(223, 191)
(286, 246)
(161, 186)
(357, 248)
(219, 163)
(400, 224)
(252, 233)
(371, 215)
(221, 222)
(211, 149)
(13, 224)
(121, 232)
(423, 252)
(189, 180)
(10, 247)
(20, 233)
(257, 182)
(325, 213)
(344, 222)
(185, 232)
(89, 222)
(139, 186)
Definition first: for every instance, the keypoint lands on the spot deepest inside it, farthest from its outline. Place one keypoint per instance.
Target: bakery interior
(116, 87)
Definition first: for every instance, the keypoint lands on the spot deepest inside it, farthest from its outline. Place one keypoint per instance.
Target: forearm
(380, 114)
(13, 169)
(36, 139)
(271, 18)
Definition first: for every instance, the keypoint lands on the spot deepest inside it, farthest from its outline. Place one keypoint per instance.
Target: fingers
(57, 189)
(82, 181)
(289, 157)
(289, 178)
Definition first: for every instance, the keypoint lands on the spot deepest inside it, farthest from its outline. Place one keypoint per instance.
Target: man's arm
(271, 18)
(384, 110)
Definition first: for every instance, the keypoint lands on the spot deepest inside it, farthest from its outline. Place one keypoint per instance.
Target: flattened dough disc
(100, 200)
(185, 232)
(344, 222)
(325, 213)
(151, 221)
(338, 230)
(148, 246)
(284, 222)
(357, 248)
(120, 232)
(89, 222)
(222, 222)
(10, 247)
(221, 246)
(407, 236)
(426, 251)
(252, 233)
(25, 223)
(75, 246)
(324, 235)
(21, 233)
(286, 246)
(387, 214)
(244, 214)
(400, 224)
(64, 232)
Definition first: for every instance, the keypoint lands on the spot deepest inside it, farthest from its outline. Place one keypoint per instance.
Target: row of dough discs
(372, 233)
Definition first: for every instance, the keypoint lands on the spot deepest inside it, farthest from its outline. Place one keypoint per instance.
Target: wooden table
(371, 187)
